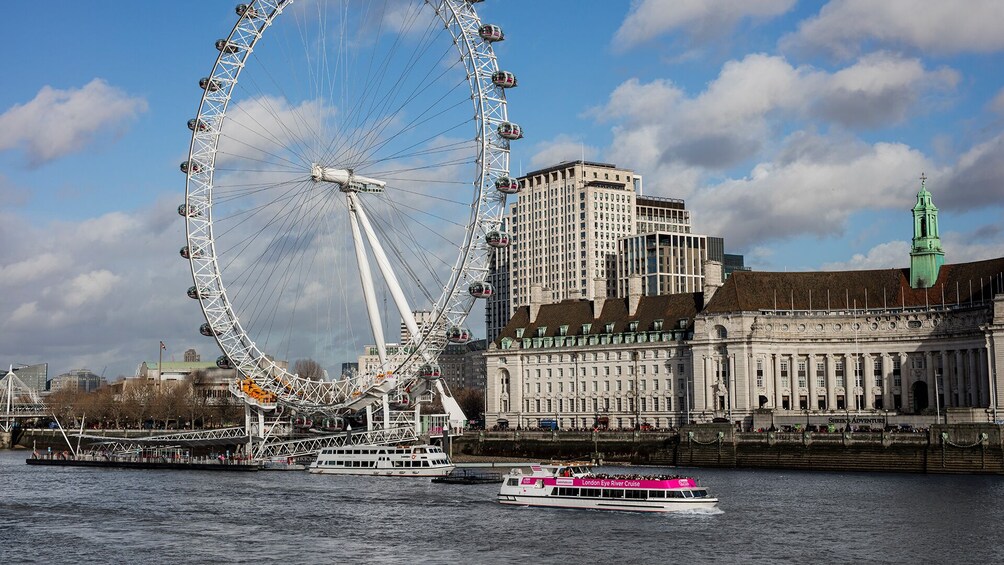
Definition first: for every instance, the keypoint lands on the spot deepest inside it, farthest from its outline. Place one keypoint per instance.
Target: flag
(162, 346)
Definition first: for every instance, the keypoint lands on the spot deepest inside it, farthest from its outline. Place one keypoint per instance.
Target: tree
(472, 402)
(308, 369)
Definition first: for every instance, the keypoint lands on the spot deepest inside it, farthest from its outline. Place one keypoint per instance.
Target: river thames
(78, 515)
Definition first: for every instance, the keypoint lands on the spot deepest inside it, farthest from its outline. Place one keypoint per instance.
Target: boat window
(634, 494)
(425, 463)
(675, 494)
(656, 494)
(513, 482)
(590, 492)
(567, 491)
(613, 493)
(701, 493)
(688, 494)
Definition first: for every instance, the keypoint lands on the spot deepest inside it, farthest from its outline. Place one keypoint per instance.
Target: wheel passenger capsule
(510, 131)
(224, 46)
(429, 371)
(456, 334)
(208, 84)
(481, 289)
(507, 185)
(190, 167)
(504, 79)
(491, 33)
(497, 239)
(196, 124)
(188, 211)
(245, 10)
(223, 362)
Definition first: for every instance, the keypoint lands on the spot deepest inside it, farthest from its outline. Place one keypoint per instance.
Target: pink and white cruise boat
(574, 486)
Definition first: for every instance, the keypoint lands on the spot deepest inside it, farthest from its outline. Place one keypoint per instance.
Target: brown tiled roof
(670, 308)
(839, 290)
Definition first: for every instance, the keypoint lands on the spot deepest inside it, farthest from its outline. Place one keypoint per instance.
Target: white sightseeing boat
(575, 486)
(383, 460)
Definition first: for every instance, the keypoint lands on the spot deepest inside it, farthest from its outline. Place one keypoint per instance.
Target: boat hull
(387, 472)
(674, 505)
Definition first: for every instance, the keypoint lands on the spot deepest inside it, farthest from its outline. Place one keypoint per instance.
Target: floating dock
(468, 477)
(149, 458)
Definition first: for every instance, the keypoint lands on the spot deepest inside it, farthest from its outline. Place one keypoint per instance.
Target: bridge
(18, 401)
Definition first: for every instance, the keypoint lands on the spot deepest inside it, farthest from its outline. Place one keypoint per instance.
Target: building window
(859, 375)
(821, 375)
(759, 373)
(802, 374)
(877, 372)
(897, 377)
(784, 374)
(839, 370)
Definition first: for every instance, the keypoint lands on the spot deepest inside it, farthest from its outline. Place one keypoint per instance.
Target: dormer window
(609, 328)
(519, 332)
(541, 331)
(563, 330)
(657, 325)
(633, 326)
(586, 328)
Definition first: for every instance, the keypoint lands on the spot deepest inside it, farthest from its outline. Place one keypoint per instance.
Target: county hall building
(921, 343)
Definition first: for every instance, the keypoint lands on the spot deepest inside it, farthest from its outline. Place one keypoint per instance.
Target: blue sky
(797, 130)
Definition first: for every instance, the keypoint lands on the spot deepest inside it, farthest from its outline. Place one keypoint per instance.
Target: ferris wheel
(347, 175)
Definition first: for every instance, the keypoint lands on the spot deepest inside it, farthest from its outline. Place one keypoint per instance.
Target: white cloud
(888, 255)
(977, 179)
(60, 122)
(11, 195)
(88, 288)
(751, 100)
(560, 149)
(813, 186)
(702, 20)
(844, 27)
(34, 268)
(997, 103)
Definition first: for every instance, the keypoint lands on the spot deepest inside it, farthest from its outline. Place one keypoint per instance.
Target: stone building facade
(925, 342)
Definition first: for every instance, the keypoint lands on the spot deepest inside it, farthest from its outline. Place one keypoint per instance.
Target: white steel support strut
(366, 277)
(388, 274)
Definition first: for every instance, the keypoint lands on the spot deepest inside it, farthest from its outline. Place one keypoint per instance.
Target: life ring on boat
(413, 456)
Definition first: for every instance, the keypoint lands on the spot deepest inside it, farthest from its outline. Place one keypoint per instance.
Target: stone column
(946, 384)
(810, 379)
(984, 377)
(974, 380)
(705, 390)
(885, 364)
(776, 368)
(929, 364)
(831, 382)
(904, 388)
(868, 380)
(732, 382)
(957, 379)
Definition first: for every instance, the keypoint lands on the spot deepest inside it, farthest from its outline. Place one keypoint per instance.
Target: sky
(796, 130)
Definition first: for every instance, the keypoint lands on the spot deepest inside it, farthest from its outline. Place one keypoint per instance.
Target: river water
(76, 515)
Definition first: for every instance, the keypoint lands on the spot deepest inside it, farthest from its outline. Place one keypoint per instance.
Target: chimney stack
(713, 279)
(536, 299)
(599, 296)
(634, 293)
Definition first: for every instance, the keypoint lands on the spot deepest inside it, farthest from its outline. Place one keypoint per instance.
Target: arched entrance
(920, 401)
(763, 400)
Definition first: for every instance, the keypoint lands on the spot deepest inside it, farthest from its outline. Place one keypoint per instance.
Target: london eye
(347, 176)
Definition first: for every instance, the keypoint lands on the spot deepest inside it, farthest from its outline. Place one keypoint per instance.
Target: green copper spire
(926, 256)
